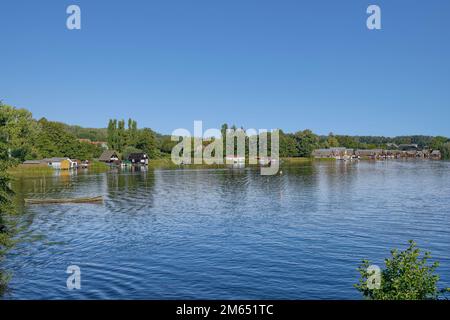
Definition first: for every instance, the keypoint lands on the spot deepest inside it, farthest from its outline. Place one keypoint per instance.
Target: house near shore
(109, 156)
(138, 158)
(436, 154)
(370, 153)
(346, 154)
(55, 163)
(60, 163)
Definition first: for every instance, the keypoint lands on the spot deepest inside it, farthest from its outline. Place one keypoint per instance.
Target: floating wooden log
(74, 200)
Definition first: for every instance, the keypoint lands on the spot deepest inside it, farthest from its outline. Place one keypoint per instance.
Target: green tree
(332, 142)
(349, 142)
(165, 144)
(121, 136)
(146, 142)
(19, 129)
(112, 134)
(437, 142)
(54, 141)
(288, 147)
(407, 276)
(306, 142)
(132, 132)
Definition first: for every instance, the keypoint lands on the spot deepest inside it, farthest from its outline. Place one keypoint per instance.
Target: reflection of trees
(336, 180)
(298, 187)
(233, 185)
(130, 189)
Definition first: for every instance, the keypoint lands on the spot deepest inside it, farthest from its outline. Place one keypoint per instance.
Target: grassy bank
(30, 171)
(98, 167)
(21, 171)
(294, 160)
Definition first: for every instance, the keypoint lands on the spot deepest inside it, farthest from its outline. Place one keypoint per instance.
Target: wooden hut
(60, 163)
(109, 156)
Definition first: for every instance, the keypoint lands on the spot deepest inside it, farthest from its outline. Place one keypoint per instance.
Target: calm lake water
(229, 234)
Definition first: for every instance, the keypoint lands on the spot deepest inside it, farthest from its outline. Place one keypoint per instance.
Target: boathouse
(138, 158)
(109, 156)
(60, 163)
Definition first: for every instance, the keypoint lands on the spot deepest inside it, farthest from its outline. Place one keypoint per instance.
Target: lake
(227, 233)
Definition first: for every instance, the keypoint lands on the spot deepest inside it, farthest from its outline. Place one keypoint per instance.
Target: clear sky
(287, 64)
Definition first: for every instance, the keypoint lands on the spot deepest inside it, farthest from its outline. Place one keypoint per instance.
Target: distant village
(112, 158)
(402, 151)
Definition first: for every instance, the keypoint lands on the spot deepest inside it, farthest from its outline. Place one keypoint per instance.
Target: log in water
(74, 200)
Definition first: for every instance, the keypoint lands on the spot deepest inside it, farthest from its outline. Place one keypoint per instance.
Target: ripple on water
(229, 233)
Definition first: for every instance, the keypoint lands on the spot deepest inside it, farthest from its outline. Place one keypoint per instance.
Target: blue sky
(286, 64)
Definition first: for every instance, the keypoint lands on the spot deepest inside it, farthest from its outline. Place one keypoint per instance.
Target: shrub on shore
(407, 276)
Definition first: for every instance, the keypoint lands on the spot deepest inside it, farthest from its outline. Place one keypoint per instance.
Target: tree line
(30, 139)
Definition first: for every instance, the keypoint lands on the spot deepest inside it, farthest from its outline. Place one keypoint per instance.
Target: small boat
(73, 200)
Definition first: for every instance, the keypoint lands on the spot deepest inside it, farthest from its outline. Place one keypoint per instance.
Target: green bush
(407, 276)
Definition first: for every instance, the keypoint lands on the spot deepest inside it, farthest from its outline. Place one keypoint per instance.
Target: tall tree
(147, 142)
(132, 132)
(112, 133)
(121, 136)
